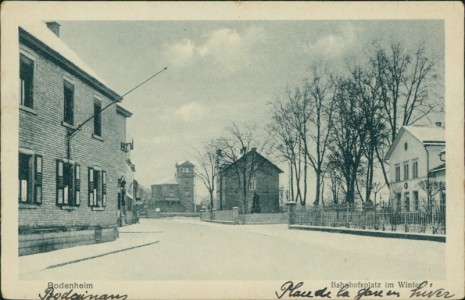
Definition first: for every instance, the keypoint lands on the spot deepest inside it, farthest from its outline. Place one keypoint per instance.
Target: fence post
(292, 213)
(235, 215)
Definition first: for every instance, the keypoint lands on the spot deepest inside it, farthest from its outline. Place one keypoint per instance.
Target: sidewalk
(375, 233)
(130, 237)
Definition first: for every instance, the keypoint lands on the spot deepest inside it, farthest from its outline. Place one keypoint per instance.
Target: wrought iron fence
(429, 221)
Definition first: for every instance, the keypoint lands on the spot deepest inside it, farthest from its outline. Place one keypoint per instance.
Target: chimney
(54, 27)
(254, 149)
(243, 150)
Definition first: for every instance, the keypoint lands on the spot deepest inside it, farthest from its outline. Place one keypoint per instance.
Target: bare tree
(405, 80)
(288, 143)
(300, 124)
(318, 93)
(367, 88)
(431, 187)
(207, 159)
(348, 135)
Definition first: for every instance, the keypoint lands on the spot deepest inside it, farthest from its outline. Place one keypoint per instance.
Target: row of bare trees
(344, 123)
(341, 124)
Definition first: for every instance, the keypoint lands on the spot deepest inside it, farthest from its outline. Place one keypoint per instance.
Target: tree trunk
(383, 168)
(318, 188)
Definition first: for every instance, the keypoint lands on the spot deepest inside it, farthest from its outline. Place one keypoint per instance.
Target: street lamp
(219, 154)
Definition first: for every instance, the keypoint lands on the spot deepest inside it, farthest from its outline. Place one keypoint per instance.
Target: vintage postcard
(232, 150)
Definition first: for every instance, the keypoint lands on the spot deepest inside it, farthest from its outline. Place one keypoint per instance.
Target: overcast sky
(218, 72)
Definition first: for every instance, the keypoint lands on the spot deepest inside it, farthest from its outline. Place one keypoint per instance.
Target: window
(26, 77)
(252, 184)
(416, 200)
(407, 201)
(68, 92)
(397, 172)
(30, 178)
(415, 169)
(97, 117)
(405, 146)
(68, 184)
(406, 171)
(97, 188)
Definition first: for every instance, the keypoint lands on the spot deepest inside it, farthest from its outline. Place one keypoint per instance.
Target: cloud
(334, 44)
(180, 53)
(226, 49)
(192, 111)
(219, 42)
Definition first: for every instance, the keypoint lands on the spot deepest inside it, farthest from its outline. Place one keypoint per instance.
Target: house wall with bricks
(43, 132)
(266, 185)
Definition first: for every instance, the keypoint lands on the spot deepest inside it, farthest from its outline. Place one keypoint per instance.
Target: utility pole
(72, 132)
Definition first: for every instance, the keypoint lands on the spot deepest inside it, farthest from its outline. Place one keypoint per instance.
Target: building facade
(70, 156)
(176, 194)
(417, 168)
(127, 196)
(261, 183)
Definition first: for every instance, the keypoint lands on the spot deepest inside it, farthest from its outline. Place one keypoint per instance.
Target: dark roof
(250, 153)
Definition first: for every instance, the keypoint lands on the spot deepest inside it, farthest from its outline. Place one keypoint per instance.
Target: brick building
(68, 175)
(262, 180)
(176, 194)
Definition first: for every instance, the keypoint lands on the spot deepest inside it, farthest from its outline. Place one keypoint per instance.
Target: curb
(219, 222)
(384, 234)
(99, 255)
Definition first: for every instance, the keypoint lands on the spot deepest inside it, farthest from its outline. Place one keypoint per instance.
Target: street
(189, 249)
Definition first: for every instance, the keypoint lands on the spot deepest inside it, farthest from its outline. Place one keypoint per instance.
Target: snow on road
(189, 249)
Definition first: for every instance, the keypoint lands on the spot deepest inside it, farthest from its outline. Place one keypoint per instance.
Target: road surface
(189, 249)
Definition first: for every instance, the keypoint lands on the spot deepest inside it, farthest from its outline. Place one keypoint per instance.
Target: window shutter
(60, 182)
(38, 179)
(104, 188)
(77, 184)
(91, 187)
(68, 184)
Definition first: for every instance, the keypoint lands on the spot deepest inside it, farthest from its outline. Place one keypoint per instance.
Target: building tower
(185, 177)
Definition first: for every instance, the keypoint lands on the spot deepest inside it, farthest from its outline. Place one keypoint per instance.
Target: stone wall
(233, 217)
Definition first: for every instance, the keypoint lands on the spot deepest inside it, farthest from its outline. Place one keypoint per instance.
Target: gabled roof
(438, 168)
(186, 163)
(250, 153)
(37, 35)
(425, 135)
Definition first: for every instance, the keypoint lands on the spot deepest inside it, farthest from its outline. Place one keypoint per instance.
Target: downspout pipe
(427, 177)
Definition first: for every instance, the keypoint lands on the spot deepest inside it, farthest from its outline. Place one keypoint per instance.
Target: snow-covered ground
(189, 249)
